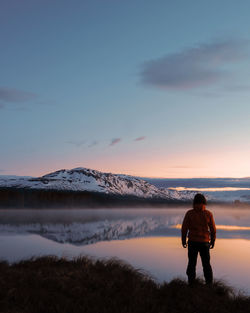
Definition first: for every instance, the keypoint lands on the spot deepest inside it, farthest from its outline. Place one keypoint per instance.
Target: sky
(147, 88)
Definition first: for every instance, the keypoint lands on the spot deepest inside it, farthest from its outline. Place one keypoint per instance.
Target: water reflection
(81, 227)
(150, 239)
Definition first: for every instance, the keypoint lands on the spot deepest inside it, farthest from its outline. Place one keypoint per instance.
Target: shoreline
(16, 198)
(83, 284)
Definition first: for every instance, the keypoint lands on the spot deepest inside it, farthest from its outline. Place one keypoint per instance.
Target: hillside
(50, 284)
(89, 180)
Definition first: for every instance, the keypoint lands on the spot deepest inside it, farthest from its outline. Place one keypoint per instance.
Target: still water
(149, 239)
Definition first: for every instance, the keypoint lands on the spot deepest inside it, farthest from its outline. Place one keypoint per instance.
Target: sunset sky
(148, 88)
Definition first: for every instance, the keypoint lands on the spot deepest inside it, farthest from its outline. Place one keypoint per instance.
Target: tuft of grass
(51, 284)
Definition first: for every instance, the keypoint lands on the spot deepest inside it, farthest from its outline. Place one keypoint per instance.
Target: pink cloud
(15, 95)
(140, 138)
(115, 141)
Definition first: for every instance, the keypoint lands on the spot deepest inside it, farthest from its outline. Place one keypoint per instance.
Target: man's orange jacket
(200, 225)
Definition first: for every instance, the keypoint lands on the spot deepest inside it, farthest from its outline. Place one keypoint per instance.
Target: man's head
(199, 201)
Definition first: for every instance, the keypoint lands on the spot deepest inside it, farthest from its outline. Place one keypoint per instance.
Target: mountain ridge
(86, 179)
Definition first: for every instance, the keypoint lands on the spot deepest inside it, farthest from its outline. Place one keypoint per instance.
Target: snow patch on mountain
(84, 179)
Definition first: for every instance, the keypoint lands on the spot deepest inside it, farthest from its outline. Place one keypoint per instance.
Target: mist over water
(147, 238)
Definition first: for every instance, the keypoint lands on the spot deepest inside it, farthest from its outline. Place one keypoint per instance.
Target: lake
(149, 239)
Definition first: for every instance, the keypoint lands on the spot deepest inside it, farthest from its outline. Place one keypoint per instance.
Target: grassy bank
(51, 284)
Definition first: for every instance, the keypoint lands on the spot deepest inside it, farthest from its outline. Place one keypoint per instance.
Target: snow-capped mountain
(85, 179)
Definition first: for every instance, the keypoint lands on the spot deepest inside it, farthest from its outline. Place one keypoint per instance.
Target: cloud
(194, 67)
(115, 141)
(76, 143)
(238, 88)
(79, 143)
(15, 95)
(140, 138)
(93, 143)
(183, 166)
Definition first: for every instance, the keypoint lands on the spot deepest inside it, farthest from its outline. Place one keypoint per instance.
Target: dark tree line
(40, 198)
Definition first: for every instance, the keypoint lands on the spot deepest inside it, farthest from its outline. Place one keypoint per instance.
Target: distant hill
(83, 186)
(80, 185)
(218, 182)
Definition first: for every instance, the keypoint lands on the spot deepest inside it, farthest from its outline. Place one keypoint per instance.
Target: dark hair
(199, 198)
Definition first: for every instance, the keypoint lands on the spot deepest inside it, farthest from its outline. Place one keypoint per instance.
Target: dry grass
(50, 284)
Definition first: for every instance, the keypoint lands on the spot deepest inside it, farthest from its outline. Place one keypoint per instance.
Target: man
(200, 226)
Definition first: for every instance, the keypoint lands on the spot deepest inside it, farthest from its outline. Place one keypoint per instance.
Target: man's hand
(211, 244)
(184, 244)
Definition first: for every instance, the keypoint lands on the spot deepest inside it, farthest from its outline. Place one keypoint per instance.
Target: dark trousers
(204, 249)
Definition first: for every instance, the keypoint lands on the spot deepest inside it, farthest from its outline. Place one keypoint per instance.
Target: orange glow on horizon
(223, 227)
(209, 189)
(157, 163)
